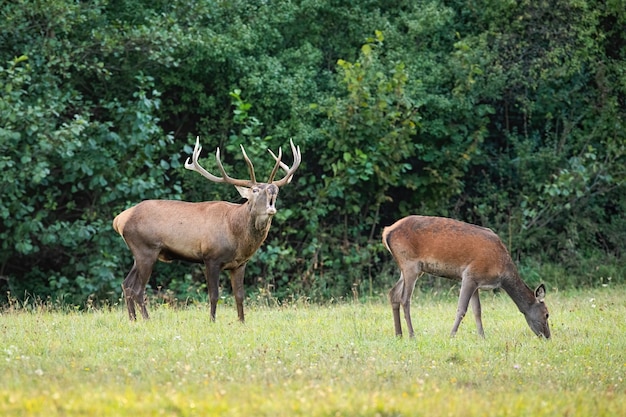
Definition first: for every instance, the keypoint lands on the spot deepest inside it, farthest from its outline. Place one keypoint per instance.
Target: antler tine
(275, 169)
(195, 166)
(228, 179)
(297, 158)
(282, 164)
(249, 162)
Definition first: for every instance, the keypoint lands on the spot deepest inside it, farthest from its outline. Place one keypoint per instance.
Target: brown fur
(219, 234)
(471, 254)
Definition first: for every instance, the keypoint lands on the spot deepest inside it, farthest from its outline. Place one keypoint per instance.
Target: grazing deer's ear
(245, 192)
(540, 293)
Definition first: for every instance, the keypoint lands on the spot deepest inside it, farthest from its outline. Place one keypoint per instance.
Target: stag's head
(537, 315)
(261, 196)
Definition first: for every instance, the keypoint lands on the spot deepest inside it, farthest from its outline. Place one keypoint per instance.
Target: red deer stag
(222, 235)
(456, 250)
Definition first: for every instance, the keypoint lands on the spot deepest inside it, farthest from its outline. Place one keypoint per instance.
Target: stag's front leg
(212, 274)
(236, 280)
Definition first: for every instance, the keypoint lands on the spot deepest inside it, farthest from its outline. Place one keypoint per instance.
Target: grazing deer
(222, 235)
(452, 249)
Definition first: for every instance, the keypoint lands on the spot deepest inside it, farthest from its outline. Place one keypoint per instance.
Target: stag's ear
(540, 293)
(245, 192)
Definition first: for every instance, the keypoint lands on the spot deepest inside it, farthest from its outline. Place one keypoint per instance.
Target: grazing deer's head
(537, 314)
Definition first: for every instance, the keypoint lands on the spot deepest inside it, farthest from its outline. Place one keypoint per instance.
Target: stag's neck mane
(247, 224)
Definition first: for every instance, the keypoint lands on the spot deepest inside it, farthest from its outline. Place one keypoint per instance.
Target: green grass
(306, 360)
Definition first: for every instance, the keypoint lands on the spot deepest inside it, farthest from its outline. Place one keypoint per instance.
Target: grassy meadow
(311, 360)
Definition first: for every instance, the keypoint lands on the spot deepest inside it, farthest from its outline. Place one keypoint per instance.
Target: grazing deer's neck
(519, 292)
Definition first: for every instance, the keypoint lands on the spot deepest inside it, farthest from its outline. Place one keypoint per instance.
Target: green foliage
(369, 136)
(563, 129)
(509, 114)
(70, 160)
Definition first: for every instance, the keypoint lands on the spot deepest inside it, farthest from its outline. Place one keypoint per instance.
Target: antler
(195, 166)
(297, 158)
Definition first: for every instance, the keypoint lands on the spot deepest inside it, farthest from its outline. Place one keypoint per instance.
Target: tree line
(507, 114)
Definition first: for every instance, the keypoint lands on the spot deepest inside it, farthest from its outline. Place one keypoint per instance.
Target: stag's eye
(547, 316)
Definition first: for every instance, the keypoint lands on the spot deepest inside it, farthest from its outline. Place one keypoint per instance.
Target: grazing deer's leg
(406, 306)
(400, 294)
(236, 280)
(475, 301)
(468, 288)
(395, 295)
(212, 274)
(409, 285)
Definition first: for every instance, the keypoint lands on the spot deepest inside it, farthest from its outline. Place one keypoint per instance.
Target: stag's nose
(271, 200)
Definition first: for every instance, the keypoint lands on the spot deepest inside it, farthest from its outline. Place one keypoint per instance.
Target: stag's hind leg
(134, 286)
(129, 296)
(140, 298)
